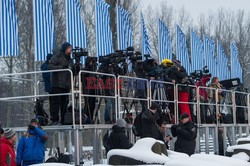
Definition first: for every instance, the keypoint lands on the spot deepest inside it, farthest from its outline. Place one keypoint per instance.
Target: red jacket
(7, 153)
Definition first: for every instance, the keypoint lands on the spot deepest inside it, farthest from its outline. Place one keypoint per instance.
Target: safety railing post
(248, 109)
(216, 140)
(207, 139)
(198, 108)
(176, 98)
(234, 108)
(217, 106)
(224, 139)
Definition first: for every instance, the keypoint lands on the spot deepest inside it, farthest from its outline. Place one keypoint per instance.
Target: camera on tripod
(77, 53)
(199, 74)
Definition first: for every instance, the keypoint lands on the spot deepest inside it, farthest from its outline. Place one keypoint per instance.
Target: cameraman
(90, 65)
(204, 98)
(60, 82)
(179, 75)
(111, 68)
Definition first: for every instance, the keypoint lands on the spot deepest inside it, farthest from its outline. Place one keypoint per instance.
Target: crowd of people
(30, 148)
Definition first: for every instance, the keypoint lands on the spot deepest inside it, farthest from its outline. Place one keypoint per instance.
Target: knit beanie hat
(121, 123)
(34, 120)
(154, 106)
(9, 133)
(65, 46)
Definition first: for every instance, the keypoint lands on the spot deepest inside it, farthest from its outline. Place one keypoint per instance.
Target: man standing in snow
(186, 133)
(149, 126)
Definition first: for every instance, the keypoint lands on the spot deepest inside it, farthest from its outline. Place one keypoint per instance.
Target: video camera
(77, 52)
(199, 74)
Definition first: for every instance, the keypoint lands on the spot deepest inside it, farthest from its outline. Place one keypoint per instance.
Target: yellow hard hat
(166, 62)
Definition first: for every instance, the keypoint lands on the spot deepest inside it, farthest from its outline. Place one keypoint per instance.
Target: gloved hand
(65, 67)
(31, 127)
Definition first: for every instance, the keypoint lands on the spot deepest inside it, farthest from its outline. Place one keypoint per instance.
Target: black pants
(89, 107)
(58, 103)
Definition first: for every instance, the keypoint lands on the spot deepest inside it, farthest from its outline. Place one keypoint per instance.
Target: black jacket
(60, 79)
(177, 75)
(186, 135)
(149, 126)
(118, 139)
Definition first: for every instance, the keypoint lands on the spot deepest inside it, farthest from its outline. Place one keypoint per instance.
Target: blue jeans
(109, 110)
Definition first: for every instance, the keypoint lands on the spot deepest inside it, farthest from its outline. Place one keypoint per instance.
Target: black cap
(183, 116)
(154, 106)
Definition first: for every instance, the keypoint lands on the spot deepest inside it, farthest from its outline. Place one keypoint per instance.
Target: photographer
(60, 82)
(162, 125)
(179, 75)
(186, 133)
(204, 98)
(90, 65)
(149, 125)
(31, 146)
(110, 65)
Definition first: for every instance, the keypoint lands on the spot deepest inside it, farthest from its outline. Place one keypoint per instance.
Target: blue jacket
(46, 77)
(31, 147)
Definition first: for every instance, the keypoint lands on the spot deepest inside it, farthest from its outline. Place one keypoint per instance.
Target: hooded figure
(118, 138)
(7, 150)
(46, 76)
(31, 146)
(60, 83)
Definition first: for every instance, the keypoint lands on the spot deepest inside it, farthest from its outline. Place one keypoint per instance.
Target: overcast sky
(195, 7)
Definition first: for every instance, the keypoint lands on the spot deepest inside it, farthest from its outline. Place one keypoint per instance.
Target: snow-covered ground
(142, 151)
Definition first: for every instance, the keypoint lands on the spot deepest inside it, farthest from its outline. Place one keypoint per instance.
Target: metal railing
(206, 131)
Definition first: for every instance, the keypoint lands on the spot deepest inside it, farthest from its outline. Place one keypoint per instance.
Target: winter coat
(212, 91)
(31, 147)
(118, 139)
(186, 135)
(7, 153)
(149, 126)
(177, 75)
(60, 79)
(46, 77)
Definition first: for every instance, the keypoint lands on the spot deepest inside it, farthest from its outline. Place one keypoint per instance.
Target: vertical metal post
(96, 158)
(197, 147)
(247, 130)
(69, 142)
(240, 131)
(217, 105)
(233, 135)
(216, 147)
(76, 145)
(207, 139)
(224, 139)
(118, 98)
(234, 107)
(248, 109)
(176, 104)
(198, 113)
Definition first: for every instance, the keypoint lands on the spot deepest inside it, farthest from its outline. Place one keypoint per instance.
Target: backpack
(105, 141)
(137, 126)
(40, 113)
